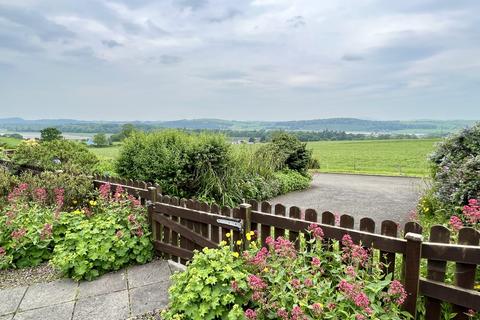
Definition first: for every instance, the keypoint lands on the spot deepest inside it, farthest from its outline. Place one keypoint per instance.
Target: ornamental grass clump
(280, 282)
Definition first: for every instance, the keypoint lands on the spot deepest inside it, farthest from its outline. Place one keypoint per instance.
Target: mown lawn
(389, 157)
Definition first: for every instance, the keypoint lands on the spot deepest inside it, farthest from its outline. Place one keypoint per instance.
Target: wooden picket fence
(181, 226)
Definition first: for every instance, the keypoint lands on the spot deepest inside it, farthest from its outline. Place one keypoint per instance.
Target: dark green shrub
(456, 167)
(185, 165)
(50, 134)
(69, 156)
(290, 152)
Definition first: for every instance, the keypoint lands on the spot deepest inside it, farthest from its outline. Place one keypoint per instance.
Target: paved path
(377, 197)
(116, 296)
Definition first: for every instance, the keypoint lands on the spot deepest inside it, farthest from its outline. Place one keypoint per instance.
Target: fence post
(246, 211)
(413, 254)
(149, 202)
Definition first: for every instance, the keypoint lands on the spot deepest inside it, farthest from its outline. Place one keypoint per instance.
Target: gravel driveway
(377, 197)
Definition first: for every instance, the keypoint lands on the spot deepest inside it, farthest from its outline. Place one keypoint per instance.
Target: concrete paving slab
(148, 298)
(46, 294)
(112, 306)
(10, 299)
(56, 312)
(152, 272)
(110, 282)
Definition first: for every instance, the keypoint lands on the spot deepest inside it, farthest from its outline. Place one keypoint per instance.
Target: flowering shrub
(26, 228)
(470, 216)
(280, 282)
(106, 235)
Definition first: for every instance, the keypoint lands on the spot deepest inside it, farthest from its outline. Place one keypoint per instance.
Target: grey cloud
(84, 52)
(352, 57)
(165, 59)
(225, 75)
(35, 23)
(296, 22)
(111, 43)
(230, 14)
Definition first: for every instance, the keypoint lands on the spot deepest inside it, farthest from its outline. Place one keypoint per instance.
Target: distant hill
(337, 124)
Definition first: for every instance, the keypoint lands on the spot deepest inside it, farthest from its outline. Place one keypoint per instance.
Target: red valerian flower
(250, 314)
(2, 251)
(456, 223)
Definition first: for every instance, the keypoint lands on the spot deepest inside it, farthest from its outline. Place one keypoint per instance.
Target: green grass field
(386, 157)
(9, 143)
(110, 152)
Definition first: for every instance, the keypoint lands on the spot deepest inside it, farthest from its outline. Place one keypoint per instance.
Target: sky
(243, 60)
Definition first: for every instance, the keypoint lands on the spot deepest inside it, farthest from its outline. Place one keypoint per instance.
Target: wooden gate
(182, 226)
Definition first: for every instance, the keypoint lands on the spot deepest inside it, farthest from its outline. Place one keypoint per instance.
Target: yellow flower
(477, 286)
(228, 235)
(235, 254)
(265, 270)
(223, 243)
(239, 242)
(248, 236)
(93, 203)
(74, 201)
(77, 212)
(252, 233)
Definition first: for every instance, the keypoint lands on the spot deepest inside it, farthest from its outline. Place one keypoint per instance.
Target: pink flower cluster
(17, 192)
(250, 314)
(41, 194)
(46, 231)
(256, 283)
(354, 253)
(396, 292)
(118, 192)
(105, 190)
(18, 234)
(456, 223)
(2, 251)
(354, 293)
(260, 258)
(316, 231)
(472, 211)
(282, 247)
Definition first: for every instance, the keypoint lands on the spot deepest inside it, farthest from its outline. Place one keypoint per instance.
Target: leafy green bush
(456, 167)
(66, 155)
(290, 180)
(204, 291)
(108, 235)
(279, 282)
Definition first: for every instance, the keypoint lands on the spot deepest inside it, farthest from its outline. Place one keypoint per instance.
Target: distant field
(9, 143)
(389, 157)
(110, 152)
